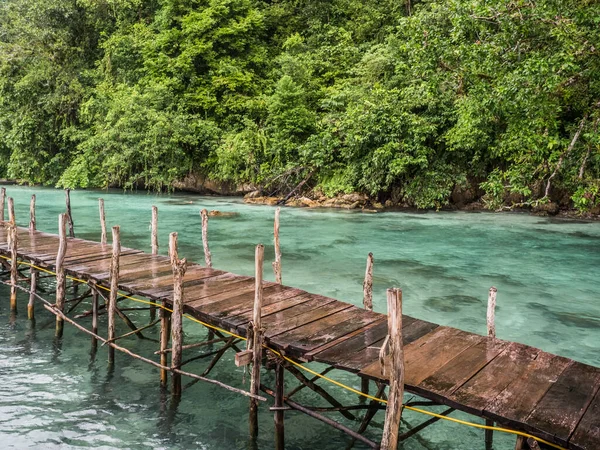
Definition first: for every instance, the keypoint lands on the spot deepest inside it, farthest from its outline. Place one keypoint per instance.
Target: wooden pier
(520, 388)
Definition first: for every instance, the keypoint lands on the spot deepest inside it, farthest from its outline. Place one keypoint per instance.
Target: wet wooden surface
(517, 386)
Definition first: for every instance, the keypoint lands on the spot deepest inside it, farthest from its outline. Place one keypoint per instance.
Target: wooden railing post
(154, 244)
(32, 214)
(257, 339)
(60, 272)
(207, 254)
(14, 265)
(491, 312)
(114, 288)
(368, 284)
(2, 203)
(491, 329)
(279, 413)
(69, 214)
(179, 267)
(102, 221)
(11, 211)
(277, 262)
(393, 412)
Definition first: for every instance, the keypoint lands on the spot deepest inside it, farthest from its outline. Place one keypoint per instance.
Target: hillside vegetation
(408, 101)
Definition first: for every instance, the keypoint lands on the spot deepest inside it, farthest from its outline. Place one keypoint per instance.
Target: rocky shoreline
(357, 201)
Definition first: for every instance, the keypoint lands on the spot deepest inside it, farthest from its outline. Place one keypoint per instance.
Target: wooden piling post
(94, 310)
(32, 290)
(279, 417)
(60, 272)
(154, 244)
(12, 233)
(11, 211)
(114, 288)
(491, 329)
(32, 214)
(368, 284)
(2, 203)
(102, 221)
(207, 254)
(179, 267)
(393, 413)
(257, 339)
(491, 312)
(69, 215)
(277, 262)
(154, 226)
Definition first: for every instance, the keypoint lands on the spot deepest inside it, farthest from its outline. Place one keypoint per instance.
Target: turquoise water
(54, 395)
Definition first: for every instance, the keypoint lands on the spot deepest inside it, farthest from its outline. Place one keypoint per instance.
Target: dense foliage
(409, 101)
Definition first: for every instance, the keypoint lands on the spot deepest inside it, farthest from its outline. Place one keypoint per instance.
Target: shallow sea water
(54, 395)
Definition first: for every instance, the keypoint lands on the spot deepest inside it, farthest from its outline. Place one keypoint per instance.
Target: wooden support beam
(279, 414)
(69, 213)
(389, 441)
(94, 314)
(14, 265)
(197, 344)
(61, 281)
(243, 358)
(277, 262)
(2, 203)
(136, 331)
(11, 211)
(114, 288)
(103, 239)
(312, 380)
(179, 267)
(207, 254)
(257, 339)
(368, 284)
(32, 213)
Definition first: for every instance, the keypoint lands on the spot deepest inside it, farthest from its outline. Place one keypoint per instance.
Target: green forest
(417, 102)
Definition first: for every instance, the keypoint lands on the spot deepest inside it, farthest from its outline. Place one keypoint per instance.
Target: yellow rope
(317, 374)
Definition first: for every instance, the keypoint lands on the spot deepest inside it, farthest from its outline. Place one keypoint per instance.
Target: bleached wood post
(2, 202)
(69, 214)
(12, 241)
(179, 267)
(279, 403)
(32, 214)
(102, 221)
(11, 211)
(154, 227)
(60, 272)
(393, 413)
(277, 262)
(114, 288)
(207, 254)
(491, 312)
(154, 244)
(257, 338)
(94, 310)
(368, 284)
(491, 329)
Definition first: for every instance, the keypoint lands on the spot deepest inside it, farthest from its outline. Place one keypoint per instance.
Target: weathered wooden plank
(521, 396)
(475, 394)
(362, 352)
(451, 376)
(279, 305)
(562, 407)
(304, 320)
(587, 434)
(345, 323)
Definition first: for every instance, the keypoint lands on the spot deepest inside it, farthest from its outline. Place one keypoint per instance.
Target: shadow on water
(452, 303)
(579, 320)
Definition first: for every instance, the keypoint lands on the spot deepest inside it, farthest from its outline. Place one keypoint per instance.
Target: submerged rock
(215, 213)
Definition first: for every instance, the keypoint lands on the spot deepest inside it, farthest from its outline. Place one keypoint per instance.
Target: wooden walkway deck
(517, 386)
